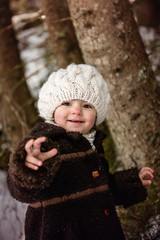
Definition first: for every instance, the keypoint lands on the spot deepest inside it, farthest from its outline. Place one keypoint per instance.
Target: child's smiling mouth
(76, 121)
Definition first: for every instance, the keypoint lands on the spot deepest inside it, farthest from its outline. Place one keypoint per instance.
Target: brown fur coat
(73, 195)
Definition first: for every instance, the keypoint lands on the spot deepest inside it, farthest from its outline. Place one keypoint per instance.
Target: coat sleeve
(127, 188)
(24, 183)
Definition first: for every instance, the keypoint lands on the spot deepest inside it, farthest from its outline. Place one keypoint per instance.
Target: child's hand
(146, 176)
(35, 157)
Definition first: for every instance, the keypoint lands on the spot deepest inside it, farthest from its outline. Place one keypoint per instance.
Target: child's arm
(127, 187)
(34, 158)
(24, 182)
(146, 176)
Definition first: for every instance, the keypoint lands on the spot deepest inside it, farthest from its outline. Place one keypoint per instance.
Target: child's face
(75, 115)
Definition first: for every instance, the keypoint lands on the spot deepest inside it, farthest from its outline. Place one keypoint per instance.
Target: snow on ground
(12, 213)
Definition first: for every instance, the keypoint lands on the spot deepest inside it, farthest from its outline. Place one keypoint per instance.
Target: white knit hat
(76, 82)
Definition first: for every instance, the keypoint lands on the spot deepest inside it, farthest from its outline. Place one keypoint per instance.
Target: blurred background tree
(17, 106)
(62, 35)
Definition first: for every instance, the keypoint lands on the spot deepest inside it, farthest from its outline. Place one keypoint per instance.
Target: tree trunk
(17, 106)
(62, 35)
(109, 40)
(148, 13)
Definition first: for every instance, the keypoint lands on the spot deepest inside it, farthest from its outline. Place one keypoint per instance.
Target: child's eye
(87, 106)
(66, 103)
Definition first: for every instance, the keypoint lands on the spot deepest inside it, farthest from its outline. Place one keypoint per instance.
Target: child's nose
(76, 110)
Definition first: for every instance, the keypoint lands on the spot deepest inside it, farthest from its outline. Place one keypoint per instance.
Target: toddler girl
(59, 169)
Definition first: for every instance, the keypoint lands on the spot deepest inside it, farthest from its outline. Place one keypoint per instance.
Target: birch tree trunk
(62, 35)
(17, 112)
(109, 39)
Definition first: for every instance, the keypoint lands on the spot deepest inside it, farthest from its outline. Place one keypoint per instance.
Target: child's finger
(49, 154)
(33, 160)
(36, 148)
(28, 146)
(146, 182)
(38, 141)
(147, 169)
(30, 165)
(146, 173)
(147, 176)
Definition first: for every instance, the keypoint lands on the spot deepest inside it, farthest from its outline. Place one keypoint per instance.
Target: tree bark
(62, 35)
(17, 106)
(109, 40)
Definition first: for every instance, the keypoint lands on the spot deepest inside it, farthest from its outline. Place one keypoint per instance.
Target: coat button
(106, 211)
(95, 174)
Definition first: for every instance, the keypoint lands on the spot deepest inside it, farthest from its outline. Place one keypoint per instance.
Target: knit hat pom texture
(76, 82)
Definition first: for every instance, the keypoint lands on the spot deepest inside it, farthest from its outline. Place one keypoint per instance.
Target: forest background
(120, 38)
